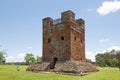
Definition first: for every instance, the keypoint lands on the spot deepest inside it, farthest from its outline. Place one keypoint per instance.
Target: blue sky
(21, 24)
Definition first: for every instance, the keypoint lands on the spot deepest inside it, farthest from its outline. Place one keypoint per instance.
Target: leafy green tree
(29, 58)
(39, 59)
(100, 60)
(118, 57)
(2, 56)
(88, 60)
(107, 59)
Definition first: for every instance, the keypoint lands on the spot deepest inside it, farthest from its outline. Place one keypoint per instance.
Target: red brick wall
(56, 48)
(77, 46)
(64, 40)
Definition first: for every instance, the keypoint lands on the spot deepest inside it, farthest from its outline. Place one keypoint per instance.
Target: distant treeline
(15, 63)
(111, 59)
(29, 59)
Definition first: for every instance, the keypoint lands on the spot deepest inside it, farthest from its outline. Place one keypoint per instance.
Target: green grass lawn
(9, 72)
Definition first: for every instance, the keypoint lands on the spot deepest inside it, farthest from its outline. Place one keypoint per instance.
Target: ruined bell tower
(64, 38)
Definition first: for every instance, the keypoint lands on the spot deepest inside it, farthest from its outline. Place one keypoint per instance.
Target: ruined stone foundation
(68, 67)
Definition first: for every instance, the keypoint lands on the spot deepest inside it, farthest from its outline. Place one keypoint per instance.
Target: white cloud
(109, 49)
(109, 7)
(114, 47)
(91, 55)
(17, 58)
(103, 40)
(10, 59)
(101, 51)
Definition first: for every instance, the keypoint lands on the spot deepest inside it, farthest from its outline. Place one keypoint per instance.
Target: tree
(118, 57)
(2, 56)
(100, 60)
(88, 60)
(39, 59)
(107, 59)
(29, 58)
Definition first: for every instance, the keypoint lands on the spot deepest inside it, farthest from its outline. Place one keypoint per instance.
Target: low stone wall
(74, 67)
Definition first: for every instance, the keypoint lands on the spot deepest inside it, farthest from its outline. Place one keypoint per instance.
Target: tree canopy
(2, 56)
(29, 58)
(108, 58)
(39, 59)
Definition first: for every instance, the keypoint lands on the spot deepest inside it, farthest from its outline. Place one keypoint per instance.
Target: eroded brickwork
(64, 38)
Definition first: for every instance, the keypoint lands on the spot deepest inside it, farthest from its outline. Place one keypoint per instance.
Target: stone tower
(64, 38)
(64, 46)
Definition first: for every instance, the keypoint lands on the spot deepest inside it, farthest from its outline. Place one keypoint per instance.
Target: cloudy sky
(21, 24)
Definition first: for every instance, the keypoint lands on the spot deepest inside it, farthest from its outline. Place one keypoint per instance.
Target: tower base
(67, 67)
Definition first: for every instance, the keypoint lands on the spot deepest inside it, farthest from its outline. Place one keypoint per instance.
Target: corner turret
(67, 16)
(47, 22)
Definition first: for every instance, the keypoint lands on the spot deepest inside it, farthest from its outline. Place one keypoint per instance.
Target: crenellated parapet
(67, 19)
(47, 22)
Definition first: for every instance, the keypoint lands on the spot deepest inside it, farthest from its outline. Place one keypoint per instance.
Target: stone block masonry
(64, 38)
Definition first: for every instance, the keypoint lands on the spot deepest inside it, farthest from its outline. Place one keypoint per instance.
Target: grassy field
(9, 72)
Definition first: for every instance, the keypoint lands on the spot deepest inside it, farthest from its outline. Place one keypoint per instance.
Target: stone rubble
(73, 67)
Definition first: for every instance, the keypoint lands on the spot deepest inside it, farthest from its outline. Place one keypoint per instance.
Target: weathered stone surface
(43, 66)
(74, 67)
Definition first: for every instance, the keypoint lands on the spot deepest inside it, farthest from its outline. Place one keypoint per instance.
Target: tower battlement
(67, 18)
